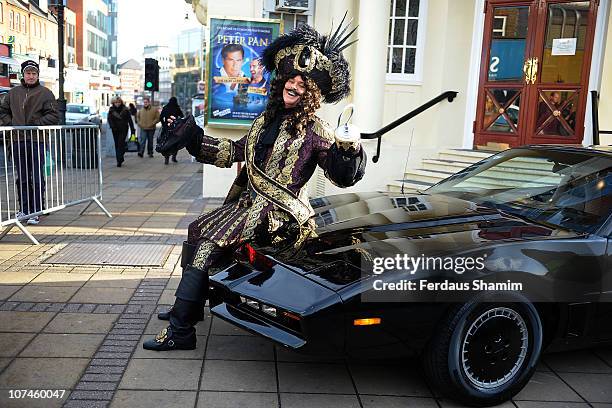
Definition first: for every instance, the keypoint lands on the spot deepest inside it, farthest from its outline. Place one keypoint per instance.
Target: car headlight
(269, 310)
(252, 304)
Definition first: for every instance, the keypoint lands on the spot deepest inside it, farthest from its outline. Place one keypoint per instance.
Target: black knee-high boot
(187, 255)
(180, 334)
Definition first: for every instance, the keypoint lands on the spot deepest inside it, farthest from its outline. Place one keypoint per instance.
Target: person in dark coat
(119, 119)
(170, 109)
(29, 104)
(133, 110)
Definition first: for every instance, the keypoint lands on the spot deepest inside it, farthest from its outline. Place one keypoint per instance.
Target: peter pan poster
(238, 85)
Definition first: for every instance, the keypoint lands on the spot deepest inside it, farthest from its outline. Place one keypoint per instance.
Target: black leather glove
(183, 132)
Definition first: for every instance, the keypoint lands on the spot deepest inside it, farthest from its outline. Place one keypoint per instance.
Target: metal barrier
(44, 169)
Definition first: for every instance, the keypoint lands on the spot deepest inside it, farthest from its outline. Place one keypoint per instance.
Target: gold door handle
(530, 68)
(534, 71)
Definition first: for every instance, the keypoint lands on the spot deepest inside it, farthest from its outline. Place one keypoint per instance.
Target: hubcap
(494, 347)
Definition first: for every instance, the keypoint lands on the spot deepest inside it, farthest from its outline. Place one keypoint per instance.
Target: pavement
(78, 329)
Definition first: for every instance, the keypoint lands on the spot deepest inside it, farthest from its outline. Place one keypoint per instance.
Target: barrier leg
(95, 200)
(99, 204)
(22, 228)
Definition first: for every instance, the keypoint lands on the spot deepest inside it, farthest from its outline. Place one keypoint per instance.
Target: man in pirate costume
(267, 203)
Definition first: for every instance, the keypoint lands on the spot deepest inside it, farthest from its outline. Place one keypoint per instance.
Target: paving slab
(148, 399)
(255, 376)
(63, 345)
(604, 353)
(390, 379)
(287, 355)
(375, 401)
(319, 401)
(27, 322)
(103, 295)
(592, 387)
(4, 362)
(162, 374)
(110, 280)
(221, 327)
(239, 348)
(81, 323)
(16, 278)
(314, 378)
(37, 293)
(13, 343)
(583, 361)
(42, 373)
(6, 291)
(167, 297)
(547, 387)
(210, 399)
(61, 279)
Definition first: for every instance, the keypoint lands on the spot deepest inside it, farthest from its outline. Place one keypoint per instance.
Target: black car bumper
(309, 316)
(257, 325)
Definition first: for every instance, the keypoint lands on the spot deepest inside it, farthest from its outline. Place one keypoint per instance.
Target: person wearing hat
(267, 204)
(29, 104)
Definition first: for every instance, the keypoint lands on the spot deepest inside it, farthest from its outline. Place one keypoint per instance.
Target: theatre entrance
(534, 72)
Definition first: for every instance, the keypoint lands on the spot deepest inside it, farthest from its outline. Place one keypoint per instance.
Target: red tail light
(247, 254)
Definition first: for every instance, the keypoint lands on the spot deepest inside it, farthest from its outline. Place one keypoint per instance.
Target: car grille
(283, 318)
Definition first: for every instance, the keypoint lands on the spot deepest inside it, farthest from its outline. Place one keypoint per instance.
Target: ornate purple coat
(268, 198)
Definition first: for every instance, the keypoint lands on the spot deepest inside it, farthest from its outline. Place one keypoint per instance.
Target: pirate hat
(306, 52)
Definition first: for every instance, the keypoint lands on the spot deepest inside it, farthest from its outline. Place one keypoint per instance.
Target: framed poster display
(238, 87)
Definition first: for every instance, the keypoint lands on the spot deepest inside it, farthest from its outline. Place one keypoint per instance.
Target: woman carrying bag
(119, 119)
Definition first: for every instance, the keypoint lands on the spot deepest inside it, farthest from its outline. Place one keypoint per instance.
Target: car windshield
(570, 189)
(84, 109)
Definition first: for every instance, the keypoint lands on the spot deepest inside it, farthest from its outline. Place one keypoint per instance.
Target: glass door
(535, 71)
(508, 42)
(564, 47)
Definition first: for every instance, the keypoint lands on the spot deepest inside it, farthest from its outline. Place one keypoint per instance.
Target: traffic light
(151, 75)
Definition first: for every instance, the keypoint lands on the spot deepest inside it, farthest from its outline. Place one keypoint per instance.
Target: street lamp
(61, 101)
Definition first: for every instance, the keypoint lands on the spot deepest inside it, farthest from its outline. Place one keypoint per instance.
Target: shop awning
(8, 61)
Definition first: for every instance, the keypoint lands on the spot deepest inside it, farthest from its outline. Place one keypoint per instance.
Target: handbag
(132, 144)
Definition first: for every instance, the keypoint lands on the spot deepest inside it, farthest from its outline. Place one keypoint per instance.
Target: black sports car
(478, 275)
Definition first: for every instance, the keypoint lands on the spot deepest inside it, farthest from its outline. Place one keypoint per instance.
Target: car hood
(353, 226)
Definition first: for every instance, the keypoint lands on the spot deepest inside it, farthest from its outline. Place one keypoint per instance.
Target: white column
(328, 12)
(371, 64)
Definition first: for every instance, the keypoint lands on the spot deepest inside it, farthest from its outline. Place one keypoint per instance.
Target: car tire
(486, 350)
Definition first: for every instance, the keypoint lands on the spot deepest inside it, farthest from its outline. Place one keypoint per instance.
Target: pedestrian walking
(133, 110)
(172, 108)
(119, 119)
(29, 104)
(147, 118)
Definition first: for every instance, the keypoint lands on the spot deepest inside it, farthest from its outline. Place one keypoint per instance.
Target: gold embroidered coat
(272, 196)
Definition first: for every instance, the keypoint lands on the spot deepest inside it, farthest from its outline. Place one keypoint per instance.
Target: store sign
(238, 87)
(507, 57)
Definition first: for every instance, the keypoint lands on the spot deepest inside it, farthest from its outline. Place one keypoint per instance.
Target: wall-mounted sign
(564, 46)
(238, 87)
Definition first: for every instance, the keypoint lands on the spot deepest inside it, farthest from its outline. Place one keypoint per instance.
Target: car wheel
(484, 352)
